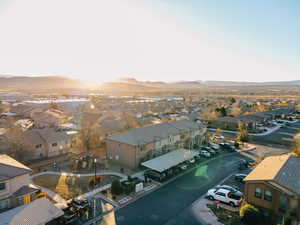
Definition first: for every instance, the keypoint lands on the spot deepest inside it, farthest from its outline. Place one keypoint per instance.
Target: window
(282, 203)
(54, 144)
(2, 186)
(268, 195)
(258, 192)
(38, 146)
(4, 204)
(221, 194)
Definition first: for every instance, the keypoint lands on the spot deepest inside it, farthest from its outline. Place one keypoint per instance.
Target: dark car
(154, 175)
(240, 177)
(80, 204)
(227, 146)
(70, 215)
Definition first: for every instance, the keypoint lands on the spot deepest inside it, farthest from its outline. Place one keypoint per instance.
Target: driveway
(171, 204)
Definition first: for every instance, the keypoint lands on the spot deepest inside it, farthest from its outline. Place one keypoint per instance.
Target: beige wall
(271, 205)
(12, 185)
(121, 153)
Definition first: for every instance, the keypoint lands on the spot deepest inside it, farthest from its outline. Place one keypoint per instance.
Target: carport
(168, 160)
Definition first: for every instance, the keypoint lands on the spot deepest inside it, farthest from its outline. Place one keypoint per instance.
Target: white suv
(224, 195)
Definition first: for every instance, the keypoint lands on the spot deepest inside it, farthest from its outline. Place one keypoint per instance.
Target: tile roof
(146, 135)
(10, 168)
(283, 169)
(37, 212)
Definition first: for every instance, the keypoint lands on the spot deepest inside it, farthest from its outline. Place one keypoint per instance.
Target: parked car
(183, 166)
(211, 151)
(218, 136)
(240, 177)
(227, 146)
(205, 153)
(70, 215)
(80, 204)
(214, 146)
(230, 188)
(224, 195)
(155, 175)
(192, 160)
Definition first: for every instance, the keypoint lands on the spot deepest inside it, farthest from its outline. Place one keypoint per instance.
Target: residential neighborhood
(138, 112)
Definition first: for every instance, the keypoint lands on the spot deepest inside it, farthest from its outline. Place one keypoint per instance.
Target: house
(131, 147)
(274, 187)
(47, 142)
(15, 188)
(48, 118)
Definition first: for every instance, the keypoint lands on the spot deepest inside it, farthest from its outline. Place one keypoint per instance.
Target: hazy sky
(241, 40)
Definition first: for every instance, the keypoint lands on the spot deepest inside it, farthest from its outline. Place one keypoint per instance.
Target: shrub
(250, 215)
(116, 187)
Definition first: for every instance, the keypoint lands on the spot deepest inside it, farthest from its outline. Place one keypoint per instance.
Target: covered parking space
(169, 160)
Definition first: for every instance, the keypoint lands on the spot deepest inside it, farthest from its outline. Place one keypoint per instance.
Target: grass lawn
(69, 187)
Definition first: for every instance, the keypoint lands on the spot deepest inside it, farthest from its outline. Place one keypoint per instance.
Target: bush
(116, 187)
(250, 215)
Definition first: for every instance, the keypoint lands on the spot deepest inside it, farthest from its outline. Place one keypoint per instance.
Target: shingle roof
(283, 169)
(37, 212)
(146, 135)
(10, 167)
(39, 136)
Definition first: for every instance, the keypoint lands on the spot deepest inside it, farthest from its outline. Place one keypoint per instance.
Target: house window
(258, 192)
(38, 146)
(4, 204)
(54, 144)
(2, 187)
(268, 195)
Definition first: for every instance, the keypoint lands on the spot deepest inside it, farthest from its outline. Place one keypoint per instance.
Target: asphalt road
(282, 137)
(171, 204)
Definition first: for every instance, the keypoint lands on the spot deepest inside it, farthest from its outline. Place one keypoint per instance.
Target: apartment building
(134, 146)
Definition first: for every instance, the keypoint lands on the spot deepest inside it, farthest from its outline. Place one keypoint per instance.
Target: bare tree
(18, 147)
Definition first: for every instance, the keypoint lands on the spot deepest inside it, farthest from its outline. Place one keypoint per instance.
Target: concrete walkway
(60, 201)
(103, 172)
(201, 210)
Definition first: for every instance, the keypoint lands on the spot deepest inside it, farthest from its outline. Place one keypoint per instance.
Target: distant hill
(40, 82)
(233, 83)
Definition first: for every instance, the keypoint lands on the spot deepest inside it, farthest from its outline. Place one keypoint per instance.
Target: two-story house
(47, 142)
(274, 187)
(131, 147)
(15, 188)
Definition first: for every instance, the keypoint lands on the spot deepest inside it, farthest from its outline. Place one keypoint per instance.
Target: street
(282, 137)
(171, 204)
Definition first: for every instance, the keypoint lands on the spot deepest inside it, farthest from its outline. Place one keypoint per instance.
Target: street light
(95, 167)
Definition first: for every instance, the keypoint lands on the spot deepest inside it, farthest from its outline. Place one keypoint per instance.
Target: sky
(168, 40)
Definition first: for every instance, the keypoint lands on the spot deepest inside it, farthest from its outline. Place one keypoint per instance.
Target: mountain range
(127, 83)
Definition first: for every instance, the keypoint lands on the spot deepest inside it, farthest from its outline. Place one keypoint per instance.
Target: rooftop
(283, 170)
(169, 160)
(40, 211)
(140, 136)
(10, 167)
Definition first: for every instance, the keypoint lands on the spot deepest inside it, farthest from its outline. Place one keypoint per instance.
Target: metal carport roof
(169, 160)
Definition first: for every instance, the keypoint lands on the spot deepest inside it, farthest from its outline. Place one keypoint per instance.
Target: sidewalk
(201, 210)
